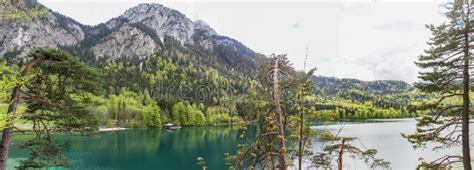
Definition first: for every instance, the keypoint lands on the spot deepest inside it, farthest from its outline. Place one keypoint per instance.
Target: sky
(367, 40)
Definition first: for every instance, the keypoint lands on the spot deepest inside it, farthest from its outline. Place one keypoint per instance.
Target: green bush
(110, 124)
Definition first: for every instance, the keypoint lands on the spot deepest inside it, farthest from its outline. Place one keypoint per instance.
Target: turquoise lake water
(176, 150)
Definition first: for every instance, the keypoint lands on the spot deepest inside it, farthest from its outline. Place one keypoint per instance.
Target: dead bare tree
(278, 112)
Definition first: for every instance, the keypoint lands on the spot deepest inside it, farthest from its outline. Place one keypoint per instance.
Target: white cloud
(356, 39)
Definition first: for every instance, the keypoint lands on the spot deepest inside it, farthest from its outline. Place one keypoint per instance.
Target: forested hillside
(352, 98)
(157, 66)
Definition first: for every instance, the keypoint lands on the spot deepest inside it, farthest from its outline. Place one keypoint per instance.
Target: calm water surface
(385, 136)
(171, 150)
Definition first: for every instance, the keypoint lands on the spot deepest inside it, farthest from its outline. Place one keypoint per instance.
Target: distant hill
(332, 85)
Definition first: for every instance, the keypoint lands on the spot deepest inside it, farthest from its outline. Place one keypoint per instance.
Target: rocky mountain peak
(48, 29)
(139, 32)
(164, 21)
(203, 26)
(145, 11)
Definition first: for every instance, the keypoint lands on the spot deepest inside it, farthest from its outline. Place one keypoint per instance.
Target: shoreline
(112, 129)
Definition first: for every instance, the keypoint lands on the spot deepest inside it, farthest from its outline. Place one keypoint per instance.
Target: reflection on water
(146, 148)
(162, 149)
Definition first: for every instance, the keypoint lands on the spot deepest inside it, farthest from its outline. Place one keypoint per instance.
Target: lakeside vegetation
(129, 96)
(153, 92)
(126, 108)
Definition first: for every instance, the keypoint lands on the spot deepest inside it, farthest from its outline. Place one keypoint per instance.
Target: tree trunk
(278, 113)
(7, 132)
(15, 99)
(300, 149)
(465, 109)
(341, 151)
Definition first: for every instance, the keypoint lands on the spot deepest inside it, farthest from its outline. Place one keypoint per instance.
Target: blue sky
(368, 40)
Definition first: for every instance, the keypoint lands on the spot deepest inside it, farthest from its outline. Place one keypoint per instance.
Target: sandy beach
(112, 129)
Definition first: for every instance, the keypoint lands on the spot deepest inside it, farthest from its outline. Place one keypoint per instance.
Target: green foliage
(355, 99)
(169, 80)
(8, 80)
(53, 87)
(446, 66)
(152, 116)
(332, 147)
(127, 109)
(178, 114)
(300, 133)
(191, 115)
(199, 118)
(216, 115)
(20, 10)
(333, 86)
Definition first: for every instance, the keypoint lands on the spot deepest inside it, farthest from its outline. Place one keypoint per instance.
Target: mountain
(18, 37)
(153, 29)
(139, 32)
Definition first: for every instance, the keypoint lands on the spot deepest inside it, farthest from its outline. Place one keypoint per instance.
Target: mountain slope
(159, 23)
(138, 33)
(149, 29)
(18, 37)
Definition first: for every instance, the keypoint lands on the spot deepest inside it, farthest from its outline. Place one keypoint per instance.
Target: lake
(171, 150)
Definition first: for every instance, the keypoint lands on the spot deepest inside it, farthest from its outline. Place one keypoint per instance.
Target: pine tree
(446, 67)
(54, 86)
(268, 150)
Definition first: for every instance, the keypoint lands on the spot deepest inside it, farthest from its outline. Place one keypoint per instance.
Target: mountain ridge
(332, 84)
(138, 32)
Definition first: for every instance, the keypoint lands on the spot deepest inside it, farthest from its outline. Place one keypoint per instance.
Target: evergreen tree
(446, 64)
(53, 85)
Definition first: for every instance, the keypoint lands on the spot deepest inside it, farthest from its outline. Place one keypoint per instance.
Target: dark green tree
(446, 66)
(54, 86)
